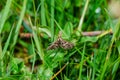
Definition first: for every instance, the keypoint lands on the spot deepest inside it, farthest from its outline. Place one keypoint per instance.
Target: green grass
(91, 58)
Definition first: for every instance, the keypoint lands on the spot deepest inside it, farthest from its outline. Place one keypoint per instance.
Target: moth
(60, 43)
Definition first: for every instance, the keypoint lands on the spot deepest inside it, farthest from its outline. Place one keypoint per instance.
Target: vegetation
(29, 27)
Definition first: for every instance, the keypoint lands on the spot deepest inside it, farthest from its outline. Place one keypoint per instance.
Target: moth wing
(54, 45)
(65, 44)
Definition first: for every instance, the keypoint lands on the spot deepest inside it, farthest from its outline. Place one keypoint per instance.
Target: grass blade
(5, 14)
(19, 23)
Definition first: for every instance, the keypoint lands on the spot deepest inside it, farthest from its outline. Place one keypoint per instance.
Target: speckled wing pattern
(54, 45)
(65, 44)
(60, 43)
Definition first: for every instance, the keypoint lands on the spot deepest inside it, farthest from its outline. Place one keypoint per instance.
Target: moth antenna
(60, 34)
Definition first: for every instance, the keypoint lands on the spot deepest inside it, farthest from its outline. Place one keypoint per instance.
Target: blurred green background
(29, 27)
